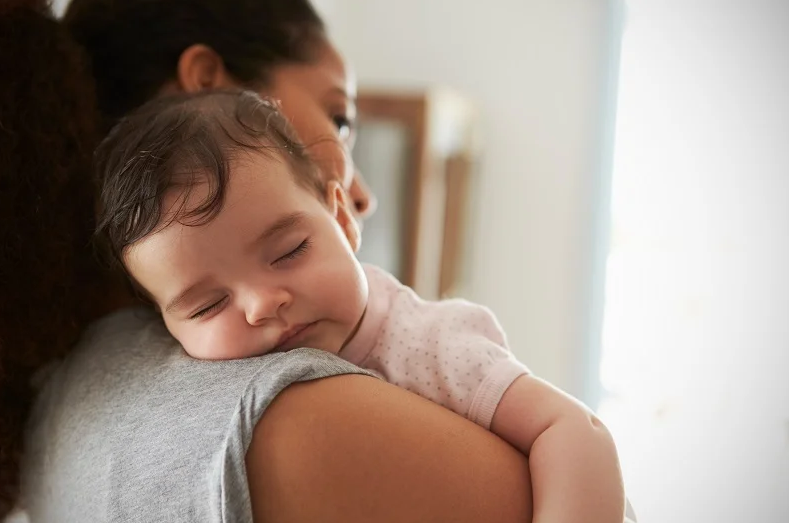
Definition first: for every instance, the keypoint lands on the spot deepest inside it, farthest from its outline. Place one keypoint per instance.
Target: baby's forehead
(202, 194)
(191, 186)
(194, 212)
(269, 158)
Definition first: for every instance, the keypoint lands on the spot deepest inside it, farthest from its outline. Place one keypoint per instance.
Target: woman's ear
(340, 207)
(201, 68)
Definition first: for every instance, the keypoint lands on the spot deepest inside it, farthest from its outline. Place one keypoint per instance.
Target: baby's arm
(455, 354)
(572, 457)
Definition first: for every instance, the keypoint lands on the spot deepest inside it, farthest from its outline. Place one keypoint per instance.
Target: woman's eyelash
(344, 125)
(210, 308)
(295, 253)
(341, 121)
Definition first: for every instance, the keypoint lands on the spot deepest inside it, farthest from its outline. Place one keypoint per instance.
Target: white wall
(536, 69)
(697, 337)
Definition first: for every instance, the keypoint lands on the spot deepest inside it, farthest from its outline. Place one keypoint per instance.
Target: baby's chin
(280, 350)
(209, 355)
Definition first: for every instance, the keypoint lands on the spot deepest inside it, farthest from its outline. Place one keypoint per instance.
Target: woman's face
(319, 99)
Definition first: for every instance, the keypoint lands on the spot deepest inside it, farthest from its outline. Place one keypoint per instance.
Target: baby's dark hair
(180, 141)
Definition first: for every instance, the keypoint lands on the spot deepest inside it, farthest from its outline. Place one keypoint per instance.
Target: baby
(223, 222)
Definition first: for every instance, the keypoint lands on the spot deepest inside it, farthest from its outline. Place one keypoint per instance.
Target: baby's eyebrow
(280, 226)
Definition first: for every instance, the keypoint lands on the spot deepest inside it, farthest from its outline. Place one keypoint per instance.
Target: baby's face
(274, 270)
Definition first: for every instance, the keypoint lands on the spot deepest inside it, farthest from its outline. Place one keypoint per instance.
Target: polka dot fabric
(452, 352)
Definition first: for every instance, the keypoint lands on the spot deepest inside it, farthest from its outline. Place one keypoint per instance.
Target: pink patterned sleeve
(477, 364)
(451, 352)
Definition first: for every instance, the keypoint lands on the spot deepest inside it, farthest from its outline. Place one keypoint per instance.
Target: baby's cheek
(180, 332)
(347, 293)
(194, 344)
(205, 341)
(222, 340)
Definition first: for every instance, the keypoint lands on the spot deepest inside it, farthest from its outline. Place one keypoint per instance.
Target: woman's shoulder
(128, 415)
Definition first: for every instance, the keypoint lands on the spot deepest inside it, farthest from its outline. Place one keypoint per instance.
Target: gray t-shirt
(129, 428)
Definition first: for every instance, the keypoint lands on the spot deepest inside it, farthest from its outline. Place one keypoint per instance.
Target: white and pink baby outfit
(451, 352)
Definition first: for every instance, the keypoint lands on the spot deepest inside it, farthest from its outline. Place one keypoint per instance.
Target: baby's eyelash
(210, 308)
(295, 253)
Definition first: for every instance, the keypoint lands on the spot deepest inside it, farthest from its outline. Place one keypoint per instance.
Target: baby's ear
(340, 207)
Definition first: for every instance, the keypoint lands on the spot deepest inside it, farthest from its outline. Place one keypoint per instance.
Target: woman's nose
(266, 304)
(364, 201)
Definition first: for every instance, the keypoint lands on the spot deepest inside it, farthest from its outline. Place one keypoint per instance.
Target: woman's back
(129, 428)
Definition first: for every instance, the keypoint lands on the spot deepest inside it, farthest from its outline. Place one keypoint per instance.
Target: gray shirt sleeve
(129, 428)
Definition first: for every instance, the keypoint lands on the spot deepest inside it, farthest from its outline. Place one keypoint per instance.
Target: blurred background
(612, 179)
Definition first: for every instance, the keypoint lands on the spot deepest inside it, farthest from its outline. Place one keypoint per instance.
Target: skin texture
(573, 459)
(354, 449)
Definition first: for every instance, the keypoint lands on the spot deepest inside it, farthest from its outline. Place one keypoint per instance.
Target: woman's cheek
(318, 133)
(334, 160)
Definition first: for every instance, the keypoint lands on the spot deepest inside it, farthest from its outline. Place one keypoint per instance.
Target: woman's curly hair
(49, 281)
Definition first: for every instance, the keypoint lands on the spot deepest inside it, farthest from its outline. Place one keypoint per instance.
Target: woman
(127, 427)
(276, 47)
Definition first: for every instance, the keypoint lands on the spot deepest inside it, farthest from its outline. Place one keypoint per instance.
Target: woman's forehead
(327, 73)
(337, 70)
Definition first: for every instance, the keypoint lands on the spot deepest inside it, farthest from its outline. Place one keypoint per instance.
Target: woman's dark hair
(180, 141)
(49, 281)
(135, 45)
